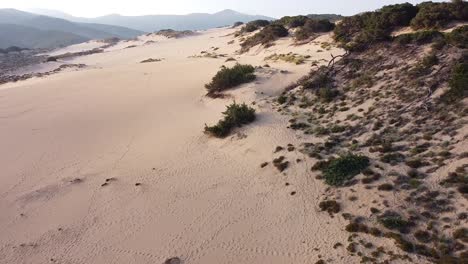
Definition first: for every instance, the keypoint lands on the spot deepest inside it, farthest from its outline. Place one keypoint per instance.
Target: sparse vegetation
(344, 168)
(312, 27)
(266, 36)
(330, 206)
(236, 115)
(458, 88)
(230, 77)
(438, 15)
(290, 57)
(255, 25)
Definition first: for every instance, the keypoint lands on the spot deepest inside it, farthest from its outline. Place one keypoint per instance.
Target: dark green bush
(267, 35)
(292, 21)
(344, 168)
(359, 31)
(438, 15)
(327, 95)
(237, 24)
(420, 37)
(331, 206)
(230, 77)
(312, 26)
(458, 84)
(318, 79)
(459, 37)
(282, 99)
(236, 115)
(394, 221)
(254, 25)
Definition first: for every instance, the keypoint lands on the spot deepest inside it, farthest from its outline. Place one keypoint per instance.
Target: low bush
(290, 57)
(267, 35)
(292, 21)
(420, 37)
(254, 25)
(236, 115)
(458, 88)
(327, 95)
(359, 31)
(394, 221)
(312, 26)
(237, 24)
(459, 37)
(230, 77)
(438, 15)
(344, 168)
(332, 207)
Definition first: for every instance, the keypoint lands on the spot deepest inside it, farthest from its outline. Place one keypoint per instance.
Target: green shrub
(459, 37)
(236, 115)
(267, 35)
(344, 168)
(318, 79)
(282, 99)
(394, 221)
(331, 206)
(458, 88)
(438, 15)
(254, 25)
(359, 31)
(312, 26)
(292, 21)
(420, 37)
(230, 77)
(327, 95)
(238, 24)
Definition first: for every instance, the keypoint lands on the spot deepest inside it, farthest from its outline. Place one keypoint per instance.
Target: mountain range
(150, 23)
(42, 28)
(28, 30)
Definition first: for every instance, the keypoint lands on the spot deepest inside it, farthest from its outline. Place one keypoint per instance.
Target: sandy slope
(205, 200)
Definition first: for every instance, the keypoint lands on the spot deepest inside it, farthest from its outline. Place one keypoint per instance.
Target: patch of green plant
(282, 99)
(359, 31)
(290, 57)
(236, 115)
(458, 84)
(344, 168)
(459, 37)
(438, 15)
(267, 35)
(331, 206)
(327, 94)
(238, 24)
(292, 21)
(312, 26)
(419, 37)
(318, 79)
(364, 80)
(254, 25)
(230, 77)
(394, 222)
(393, 158)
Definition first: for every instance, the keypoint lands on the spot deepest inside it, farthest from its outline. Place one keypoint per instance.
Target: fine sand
(109, 164)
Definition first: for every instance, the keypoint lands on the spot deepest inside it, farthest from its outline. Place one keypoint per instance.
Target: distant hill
(28, 37)
(329, 17)
(151, 23)
(29, 30)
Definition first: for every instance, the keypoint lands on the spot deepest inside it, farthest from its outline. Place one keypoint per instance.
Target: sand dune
(202, 199)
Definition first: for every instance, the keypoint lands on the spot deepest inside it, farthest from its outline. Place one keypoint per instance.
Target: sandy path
(204, 200)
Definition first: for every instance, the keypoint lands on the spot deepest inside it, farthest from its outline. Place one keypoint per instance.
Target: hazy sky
(275, 8)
